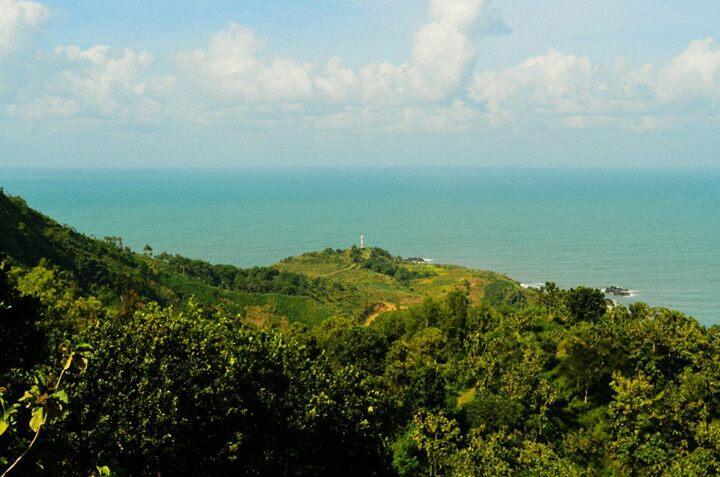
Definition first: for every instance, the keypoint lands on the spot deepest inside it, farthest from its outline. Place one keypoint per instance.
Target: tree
(22, 340)
(487, 454)
(552, 298)
(637, 442)
(454, 322)
(585, 304)
(177, 392)
(355, 254)
(345, 343)
(588, 354)
(44, 400)
(429, 313)
(436, 438)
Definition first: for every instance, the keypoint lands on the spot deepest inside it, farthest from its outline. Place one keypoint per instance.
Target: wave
(534, 286)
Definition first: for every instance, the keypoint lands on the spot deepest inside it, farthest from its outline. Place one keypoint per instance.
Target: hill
(307, 289)
(382, 278)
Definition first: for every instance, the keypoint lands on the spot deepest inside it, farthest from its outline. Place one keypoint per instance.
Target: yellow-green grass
(466, 396)
(375, 287)
(313, 265)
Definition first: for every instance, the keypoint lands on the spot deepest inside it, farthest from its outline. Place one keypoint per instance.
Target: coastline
(570, 227)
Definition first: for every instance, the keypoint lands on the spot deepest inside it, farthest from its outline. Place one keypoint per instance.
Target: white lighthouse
(362, 241)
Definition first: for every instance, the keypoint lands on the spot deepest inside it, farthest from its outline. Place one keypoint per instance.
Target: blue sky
(345, 82)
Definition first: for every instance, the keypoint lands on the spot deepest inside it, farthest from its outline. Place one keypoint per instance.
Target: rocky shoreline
(617, 291)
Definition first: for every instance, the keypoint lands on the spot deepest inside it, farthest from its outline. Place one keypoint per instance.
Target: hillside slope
(307, 289)
(28, 237)
(380, 277)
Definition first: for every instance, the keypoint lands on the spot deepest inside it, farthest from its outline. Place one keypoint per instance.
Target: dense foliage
(381, 261)
(253, 280)
(566, 384)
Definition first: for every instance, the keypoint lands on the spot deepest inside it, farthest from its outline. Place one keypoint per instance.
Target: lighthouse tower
(362, 241)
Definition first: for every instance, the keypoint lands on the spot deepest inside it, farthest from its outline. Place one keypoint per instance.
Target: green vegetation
(340, 362)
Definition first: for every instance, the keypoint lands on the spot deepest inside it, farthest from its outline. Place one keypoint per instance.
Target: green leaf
(61, 396)
(38, 418)
(26, 396)
(4, 424)
(83, 347)
(68, 362)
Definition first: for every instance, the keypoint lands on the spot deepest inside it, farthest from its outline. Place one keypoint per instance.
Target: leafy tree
(346, 343)
(453, 323)
(43, 402)
(585, 304)
(21, 338)
(493, 411)
(436, 438)
(637, 441)
(174, 392)
(588, 355)
(552, 298)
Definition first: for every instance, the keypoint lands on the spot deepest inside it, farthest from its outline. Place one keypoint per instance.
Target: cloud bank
(232, 65)
(232, 80)
(573, 91)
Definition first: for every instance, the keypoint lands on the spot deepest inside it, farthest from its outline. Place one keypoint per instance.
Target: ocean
(655, 232)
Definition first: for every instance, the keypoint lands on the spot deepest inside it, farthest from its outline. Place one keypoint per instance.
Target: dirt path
(335, 272)
(379, 308)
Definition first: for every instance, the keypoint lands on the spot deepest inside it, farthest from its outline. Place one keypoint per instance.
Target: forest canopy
(340, 362)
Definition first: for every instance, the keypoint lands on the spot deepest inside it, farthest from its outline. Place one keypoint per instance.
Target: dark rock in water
(415, 260)
(618, 291)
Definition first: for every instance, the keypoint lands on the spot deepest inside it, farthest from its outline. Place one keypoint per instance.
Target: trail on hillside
(378, 309)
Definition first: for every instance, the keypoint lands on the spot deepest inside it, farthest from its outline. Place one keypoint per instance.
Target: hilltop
(380, 277)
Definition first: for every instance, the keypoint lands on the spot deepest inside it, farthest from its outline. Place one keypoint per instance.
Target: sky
(400, 83)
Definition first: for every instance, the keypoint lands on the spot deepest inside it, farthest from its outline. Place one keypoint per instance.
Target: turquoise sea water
(657, 232)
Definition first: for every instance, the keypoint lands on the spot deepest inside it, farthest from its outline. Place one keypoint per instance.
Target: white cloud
(47, 106)
(442, 49)
(693, 74)
(233, 65)
(336, 83)
(456, 117)
(111, 83)
(572, 92)
(548, 84)
(97, 82)
(16, 19)
(232, 78)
